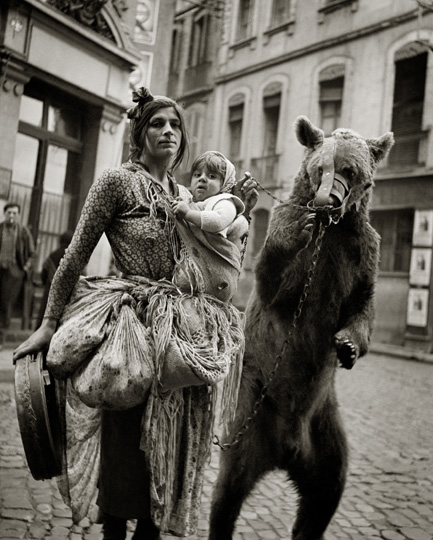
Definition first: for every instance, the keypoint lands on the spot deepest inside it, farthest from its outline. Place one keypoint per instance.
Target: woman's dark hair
(140, 115)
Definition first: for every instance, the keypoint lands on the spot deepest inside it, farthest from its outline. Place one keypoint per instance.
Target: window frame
(398, 246)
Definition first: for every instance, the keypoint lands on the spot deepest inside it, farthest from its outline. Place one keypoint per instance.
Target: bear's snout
(332, 191)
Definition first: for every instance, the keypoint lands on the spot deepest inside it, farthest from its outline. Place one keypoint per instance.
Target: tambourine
(38, 417)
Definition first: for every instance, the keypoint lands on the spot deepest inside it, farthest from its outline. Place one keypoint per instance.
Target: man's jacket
(24, 248)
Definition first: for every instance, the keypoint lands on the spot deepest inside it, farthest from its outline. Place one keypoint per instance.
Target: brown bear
(311, 310)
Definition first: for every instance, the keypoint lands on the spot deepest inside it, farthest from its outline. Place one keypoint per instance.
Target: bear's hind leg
(319, 478)
(240, 469)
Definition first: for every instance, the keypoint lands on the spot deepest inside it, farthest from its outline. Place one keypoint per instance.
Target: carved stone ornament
(87, 12)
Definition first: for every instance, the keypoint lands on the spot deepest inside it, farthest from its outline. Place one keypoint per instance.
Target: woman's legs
(146, 530)
(114, 528)
(124, 481)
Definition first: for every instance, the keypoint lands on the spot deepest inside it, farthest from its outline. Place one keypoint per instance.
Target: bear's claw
(346, 353)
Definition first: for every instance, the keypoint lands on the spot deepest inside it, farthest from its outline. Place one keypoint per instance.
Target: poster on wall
(420, 266)
(417, 307)
(423, 228)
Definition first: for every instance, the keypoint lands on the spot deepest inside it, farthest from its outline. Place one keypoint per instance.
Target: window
(410, 78)
(45, 171)
(280, 12)
(176, 48)
(266, 166)
(236, 117)
(330, 102)
(196, 133)
(271, 110)
(31, 111)
(199, 40)
(395, 228)
(245, 19)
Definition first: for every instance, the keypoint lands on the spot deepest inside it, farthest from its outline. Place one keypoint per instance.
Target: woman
(131, 205)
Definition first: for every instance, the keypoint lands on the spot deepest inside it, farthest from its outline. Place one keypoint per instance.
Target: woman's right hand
(38, 341)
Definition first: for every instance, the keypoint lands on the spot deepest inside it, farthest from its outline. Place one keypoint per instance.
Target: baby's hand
(180, 208)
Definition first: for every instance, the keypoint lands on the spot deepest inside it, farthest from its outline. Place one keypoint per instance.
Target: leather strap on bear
(333, 187)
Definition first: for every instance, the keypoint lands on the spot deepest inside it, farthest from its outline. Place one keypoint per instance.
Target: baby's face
(204, 184)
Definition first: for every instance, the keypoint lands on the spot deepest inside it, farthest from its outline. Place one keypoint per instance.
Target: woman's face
(163, 135)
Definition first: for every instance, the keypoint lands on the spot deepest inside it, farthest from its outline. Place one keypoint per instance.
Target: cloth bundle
(121, 371)
(83, 325)
(118, 334)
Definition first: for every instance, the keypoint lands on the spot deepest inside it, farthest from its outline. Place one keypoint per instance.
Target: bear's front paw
(347, 352)
(304, 228)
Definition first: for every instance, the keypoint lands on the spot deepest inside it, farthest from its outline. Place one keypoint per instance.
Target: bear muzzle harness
(333, 190)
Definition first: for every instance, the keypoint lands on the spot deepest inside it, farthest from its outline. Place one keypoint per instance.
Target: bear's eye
(320, 171)
(348, 173)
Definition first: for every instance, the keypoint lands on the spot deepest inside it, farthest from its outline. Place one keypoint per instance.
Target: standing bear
(311, 310)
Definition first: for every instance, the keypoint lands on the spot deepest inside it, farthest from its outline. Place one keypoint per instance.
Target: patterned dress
(118, 204)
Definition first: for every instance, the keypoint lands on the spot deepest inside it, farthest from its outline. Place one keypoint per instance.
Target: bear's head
(337, 171)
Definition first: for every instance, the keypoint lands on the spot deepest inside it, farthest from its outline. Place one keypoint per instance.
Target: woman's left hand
(246, 190)
(38, 341)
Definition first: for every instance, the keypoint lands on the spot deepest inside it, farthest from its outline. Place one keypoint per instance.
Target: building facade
(246, 69)
(67, 71)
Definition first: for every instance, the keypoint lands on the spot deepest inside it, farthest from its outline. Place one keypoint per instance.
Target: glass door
(47, 161)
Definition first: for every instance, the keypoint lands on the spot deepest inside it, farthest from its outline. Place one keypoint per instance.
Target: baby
(214, 209)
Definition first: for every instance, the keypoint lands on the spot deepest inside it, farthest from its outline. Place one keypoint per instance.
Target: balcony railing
(266, 170)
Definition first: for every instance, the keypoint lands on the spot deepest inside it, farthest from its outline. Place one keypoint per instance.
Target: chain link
(267, 191)
(304, 295)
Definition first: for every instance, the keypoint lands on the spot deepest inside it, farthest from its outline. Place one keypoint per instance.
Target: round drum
(38, 416)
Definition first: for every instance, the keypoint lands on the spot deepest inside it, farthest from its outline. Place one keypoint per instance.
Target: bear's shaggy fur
(297, 427)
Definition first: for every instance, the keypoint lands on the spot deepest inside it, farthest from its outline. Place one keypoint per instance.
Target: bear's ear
(381, 146)
(307, 134)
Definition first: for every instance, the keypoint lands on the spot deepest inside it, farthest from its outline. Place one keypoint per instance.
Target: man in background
(49, 269)
(16, 262)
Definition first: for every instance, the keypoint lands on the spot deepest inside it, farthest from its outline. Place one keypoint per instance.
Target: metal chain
(267, 191)
(279, 357)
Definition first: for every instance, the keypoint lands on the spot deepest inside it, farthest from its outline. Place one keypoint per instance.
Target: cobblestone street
(387, 406)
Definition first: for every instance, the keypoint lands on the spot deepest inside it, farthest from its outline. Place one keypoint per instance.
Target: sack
(82, 328)
(176, 373)
(190, 353)
(121, 371)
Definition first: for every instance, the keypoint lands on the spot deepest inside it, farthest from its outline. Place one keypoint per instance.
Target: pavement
(386, 402)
